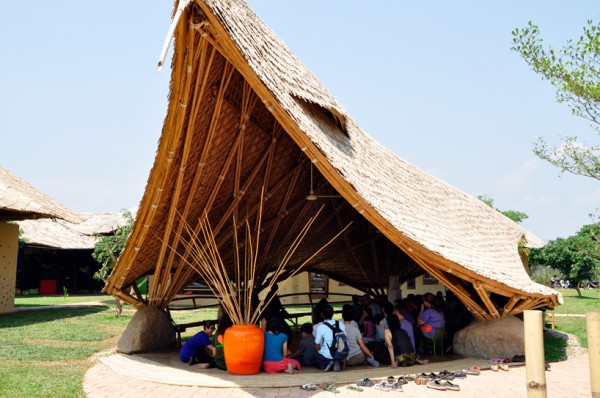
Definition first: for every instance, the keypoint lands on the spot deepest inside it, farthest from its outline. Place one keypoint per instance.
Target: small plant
(65, 292)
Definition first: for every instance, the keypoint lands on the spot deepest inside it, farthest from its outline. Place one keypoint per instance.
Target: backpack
(339, 347)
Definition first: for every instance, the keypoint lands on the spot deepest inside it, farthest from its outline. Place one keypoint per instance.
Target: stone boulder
(497, 338)
(149, 330)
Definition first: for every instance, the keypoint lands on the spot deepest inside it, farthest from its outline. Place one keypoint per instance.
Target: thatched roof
(244, 114)
(21, 201)
(65, 235)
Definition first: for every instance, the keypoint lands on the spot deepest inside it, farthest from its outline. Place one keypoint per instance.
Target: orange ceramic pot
(243, 348)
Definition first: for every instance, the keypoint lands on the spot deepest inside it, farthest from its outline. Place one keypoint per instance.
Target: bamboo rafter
(161, 277)
(198, 98)
(139, 234)
(353, 251)
(480, 289)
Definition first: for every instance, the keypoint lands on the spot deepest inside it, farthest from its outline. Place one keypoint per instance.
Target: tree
(108, 248)
(577, 257)
(516, 216)
(574, 71)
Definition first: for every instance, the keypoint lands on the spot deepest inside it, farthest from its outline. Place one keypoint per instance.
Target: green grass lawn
(573, 304)
(45, 353)
(575, 325)
(35, 300)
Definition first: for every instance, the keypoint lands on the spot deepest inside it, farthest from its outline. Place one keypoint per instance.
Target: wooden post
(592, 326)
(534, 354)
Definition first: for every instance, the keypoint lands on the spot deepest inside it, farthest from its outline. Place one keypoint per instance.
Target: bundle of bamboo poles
(235, 292)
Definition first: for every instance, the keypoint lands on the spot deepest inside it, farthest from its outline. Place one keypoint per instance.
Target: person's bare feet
(201, 365)
(422, 361)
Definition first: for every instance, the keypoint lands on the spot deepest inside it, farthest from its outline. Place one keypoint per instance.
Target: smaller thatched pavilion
(20, 201)
(58, 253)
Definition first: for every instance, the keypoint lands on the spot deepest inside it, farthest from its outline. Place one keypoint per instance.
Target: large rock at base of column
(149, 330)
(496, 338)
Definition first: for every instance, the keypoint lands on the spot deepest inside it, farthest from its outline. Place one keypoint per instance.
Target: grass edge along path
(46, 353)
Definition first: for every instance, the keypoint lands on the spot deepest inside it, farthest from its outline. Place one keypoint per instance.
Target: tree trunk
(578, 289)
(118, 307)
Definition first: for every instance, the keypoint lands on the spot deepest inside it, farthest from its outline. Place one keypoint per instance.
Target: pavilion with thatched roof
(20, 201)
(246, 117)
(58, 253)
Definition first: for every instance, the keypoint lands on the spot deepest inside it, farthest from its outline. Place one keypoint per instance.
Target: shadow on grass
(48, 314)
(555, 345)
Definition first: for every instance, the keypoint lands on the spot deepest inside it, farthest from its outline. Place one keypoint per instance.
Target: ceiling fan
(311, 193)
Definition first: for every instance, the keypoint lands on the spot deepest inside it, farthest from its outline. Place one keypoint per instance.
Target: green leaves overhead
(574, 71)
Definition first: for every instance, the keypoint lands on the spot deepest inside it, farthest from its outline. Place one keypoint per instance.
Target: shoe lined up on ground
(366, 382)
(474, 370)
(443, 385)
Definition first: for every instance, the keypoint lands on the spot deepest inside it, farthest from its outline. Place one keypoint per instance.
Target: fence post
(592, 326)
(534, 354)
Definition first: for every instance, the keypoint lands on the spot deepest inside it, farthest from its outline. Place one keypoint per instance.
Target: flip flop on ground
(330, 388)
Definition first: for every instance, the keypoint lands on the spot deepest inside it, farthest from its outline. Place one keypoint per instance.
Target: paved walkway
(565, 379)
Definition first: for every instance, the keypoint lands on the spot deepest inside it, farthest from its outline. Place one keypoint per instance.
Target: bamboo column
(534, 354)
(592, 327)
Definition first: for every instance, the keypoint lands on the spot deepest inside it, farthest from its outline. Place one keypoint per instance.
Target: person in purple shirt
(431, 316)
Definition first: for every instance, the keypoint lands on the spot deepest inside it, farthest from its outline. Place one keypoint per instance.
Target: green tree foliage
(576, 258)
(516, 216)
(108, 248)
(574, 71)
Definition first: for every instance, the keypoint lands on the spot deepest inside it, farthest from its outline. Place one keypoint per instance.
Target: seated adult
(431, 316)
(275, 310)
(306, 352)
(324, 340)
(400, 348)
(407, 308)
(358, 352)
(275, 357)
(198, 350)
(317, 310)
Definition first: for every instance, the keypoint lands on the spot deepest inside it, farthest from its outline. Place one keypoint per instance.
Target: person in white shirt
(324, 340)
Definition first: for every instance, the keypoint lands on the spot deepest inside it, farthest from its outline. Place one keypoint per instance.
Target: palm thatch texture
(245, 113)
(236, 293)
(21, 201)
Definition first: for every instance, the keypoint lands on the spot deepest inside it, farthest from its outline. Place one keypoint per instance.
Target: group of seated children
(374, 332)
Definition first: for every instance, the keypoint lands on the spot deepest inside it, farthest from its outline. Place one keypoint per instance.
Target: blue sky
(82, 104)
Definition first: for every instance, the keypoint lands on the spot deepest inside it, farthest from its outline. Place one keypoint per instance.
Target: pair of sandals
(496, 366)
(498, 363)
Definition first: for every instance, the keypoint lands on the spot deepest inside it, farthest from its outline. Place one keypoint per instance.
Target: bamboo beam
(183, 96)
(129, 299)
(509, 306)
(278, 220)
(162, 164)
(353, 251)
(520, 307)
(480, 289)
(137, 292)
(196, 99)
(225, 79)
(454, 284)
